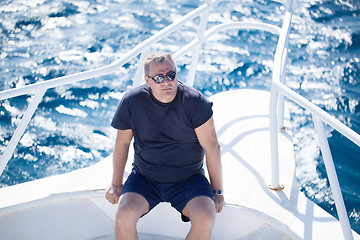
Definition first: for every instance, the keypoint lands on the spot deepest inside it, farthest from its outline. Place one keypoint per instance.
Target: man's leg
(201, 212)
(131, 207)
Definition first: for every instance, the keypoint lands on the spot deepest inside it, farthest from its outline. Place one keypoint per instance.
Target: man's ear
(146, 80)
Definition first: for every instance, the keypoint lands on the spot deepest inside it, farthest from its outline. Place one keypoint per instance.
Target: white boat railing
(279, 91)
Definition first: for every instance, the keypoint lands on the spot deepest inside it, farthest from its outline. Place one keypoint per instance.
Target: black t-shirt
(165, 144)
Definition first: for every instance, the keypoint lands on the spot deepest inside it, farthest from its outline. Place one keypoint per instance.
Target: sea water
(44, 39)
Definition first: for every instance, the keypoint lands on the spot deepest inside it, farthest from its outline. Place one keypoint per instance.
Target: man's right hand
(113, 193)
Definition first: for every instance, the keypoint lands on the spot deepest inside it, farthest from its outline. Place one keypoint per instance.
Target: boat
(263, 200)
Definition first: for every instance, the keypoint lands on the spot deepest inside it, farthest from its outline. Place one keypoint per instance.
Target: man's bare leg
(201, 212)
(131, 207)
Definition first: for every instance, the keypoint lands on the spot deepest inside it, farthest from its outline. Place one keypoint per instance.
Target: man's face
(166, 91)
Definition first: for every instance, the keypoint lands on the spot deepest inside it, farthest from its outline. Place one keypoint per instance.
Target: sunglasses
(161, 77)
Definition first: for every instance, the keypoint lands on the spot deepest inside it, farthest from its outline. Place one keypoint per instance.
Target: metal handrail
(278, 92)
(56, 82)
(38, 89)
(319, 118)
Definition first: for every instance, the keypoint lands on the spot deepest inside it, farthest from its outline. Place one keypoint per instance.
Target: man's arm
(206, 135)
(120, 154)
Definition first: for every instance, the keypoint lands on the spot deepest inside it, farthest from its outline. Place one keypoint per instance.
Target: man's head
(161, 76)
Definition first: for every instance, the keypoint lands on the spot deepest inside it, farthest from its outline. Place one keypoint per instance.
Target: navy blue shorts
(177, 194)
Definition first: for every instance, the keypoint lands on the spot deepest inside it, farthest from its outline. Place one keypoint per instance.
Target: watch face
(218, 192)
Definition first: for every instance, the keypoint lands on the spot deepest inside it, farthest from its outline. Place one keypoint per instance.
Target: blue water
(43, 39)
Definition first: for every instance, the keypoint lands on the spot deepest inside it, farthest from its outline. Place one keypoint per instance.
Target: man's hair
(157, 57)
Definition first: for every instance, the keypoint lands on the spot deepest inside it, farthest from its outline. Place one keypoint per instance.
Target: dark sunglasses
(161, 77)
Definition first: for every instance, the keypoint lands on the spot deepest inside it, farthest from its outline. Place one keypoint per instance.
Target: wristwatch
(218, 192)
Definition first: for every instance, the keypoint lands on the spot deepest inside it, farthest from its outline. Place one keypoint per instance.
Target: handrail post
(281, 100)
(140, 67)
(333, 179)
(196, 51)
(276, 113)
(285, 31)
(275, 185)
(10, 148)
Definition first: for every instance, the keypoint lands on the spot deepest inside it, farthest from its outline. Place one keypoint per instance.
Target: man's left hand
(219, 202)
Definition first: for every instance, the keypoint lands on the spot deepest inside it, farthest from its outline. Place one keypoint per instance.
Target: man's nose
(166, 80)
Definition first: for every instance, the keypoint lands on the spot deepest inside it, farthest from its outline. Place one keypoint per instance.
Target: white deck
(69, 207)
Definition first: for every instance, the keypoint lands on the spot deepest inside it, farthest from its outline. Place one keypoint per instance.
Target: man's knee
(131, 207)
(204, 218)
(201, 212)
(126, 217)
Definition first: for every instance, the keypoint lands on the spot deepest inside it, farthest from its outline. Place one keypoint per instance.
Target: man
(172, 126)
